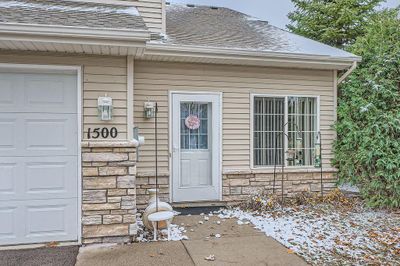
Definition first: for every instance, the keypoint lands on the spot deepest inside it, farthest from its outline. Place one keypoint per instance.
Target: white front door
(196, 147)
(38, 157)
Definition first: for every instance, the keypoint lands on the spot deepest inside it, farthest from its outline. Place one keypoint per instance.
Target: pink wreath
(192, 122)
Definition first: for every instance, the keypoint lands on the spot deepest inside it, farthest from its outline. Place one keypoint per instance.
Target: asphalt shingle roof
(201, 26)
(70, 13)
(220, 27)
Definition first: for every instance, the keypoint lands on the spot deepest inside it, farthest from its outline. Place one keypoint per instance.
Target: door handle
(175, 149)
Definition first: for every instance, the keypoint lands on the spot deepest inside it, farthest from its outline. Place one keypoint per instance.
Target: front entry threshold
(196, 204)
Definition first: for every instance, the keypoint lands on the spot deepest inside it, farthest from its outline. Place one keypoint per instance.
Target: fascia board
(74, 32)
(248, 55)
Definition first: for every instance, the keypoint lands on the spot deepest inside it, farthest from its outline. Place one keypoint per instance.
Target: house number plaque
(104, 133)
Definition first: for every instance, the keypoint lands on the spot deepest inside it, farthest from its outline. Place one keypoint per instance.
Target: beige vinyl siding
(101, 75)
(154, 80)
(151, 12)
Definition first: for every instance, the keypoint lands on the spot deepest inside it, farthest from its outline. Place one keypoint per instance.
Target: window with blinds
(284, 131)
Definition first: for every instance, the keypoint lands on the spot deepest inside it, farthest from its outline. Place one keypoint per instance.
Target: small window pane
(194, 142)
(203, 142)
(204, 126)
(184, 129)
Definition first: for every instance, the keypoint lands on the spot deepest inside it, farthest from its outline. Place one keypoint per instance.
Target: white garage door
(38, 158)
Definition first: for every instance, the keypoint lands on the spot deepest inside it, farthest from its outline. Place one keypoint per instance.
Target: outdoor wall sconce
(150, 109)
(105, 106)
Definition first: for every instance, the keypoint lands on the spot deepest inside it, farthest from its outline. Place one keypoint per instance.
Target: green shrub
(367, 151)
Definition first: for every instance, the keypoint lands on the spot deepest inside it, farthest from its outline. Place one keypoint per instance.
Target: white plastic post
(155, 230)
(169, 229)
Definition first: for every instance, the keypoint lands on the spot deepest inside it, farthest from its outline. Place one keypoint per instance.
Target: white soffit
(72, 40)
(112, 50)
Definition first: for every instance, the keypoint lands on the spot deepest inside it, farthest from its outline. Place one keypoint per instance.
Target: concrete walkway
(238, 245)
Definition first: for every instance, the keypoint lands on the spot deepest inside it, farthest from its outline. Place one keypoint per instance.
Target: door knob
(175, 149)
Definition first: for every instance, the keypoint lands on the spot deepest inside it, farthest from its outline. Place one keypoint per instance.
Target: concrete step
(199, 204)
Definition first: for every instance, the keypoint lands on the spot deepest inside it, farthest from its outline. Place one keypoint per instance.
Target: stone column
(108, 192)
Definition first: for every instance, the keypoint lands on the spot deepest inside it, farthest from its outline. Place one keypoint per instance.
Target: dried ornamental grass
(270, 202)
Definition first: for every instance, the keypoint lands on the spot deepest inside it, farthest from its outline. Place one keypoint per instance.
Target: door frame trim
(76, 70)
(219, 138)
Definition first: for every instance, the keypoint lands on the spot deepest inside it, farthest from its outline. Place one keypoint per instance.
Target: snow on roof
(59, 7)
(70, 13)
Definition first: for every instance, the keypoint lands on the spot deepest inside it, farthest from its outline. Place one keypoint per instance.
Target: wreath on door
(192, 122)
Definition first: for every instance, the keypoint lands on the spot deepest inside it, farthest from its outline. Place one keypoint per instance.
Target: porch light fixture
(105, 106)
(150, 109)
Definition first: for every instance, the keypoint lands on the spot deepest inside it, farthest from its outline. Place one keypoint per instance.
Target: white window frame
(286, 96)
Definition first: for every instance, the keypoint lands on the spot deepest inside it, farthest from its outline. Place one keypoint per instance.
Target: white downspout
(336, 82)
(348, 72)
(130, 81)
(335, 95)
(163, 17)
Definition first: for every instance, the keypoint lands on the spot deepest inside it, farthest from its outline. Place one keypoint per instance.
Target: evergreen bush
(367, 150)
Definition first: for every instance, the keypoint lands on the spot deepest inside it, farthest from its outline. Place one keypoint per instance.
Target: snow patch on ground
(145, 235)
(329, 238)
(177, 233)
(349, 188)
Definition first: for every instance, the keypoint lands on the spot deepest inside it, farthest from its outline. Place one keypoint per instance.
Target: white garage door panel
(38, 221)
(38, 134)
(24, 178)
(8, 178)
(8, 140)
(8, 223)
(32, 92)
(38, 158)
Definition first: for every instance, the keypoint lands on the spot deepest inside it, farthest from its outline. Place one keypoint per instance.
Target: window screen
(302, 129)
(269, 117)
(295, 145)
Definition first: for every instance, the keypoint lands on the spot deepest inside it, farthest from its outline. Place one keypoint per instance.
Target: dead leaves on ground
(269, 202)
(290, 251)
(52, 244)
(361, 236)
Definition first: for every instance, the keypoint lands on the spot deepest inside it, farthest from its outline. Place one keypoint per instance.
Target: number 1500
(102, 132)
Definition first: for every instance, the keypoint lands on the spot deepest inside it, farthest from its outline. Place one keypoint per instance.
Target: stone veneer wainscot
(238, 186)
(108, 192)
